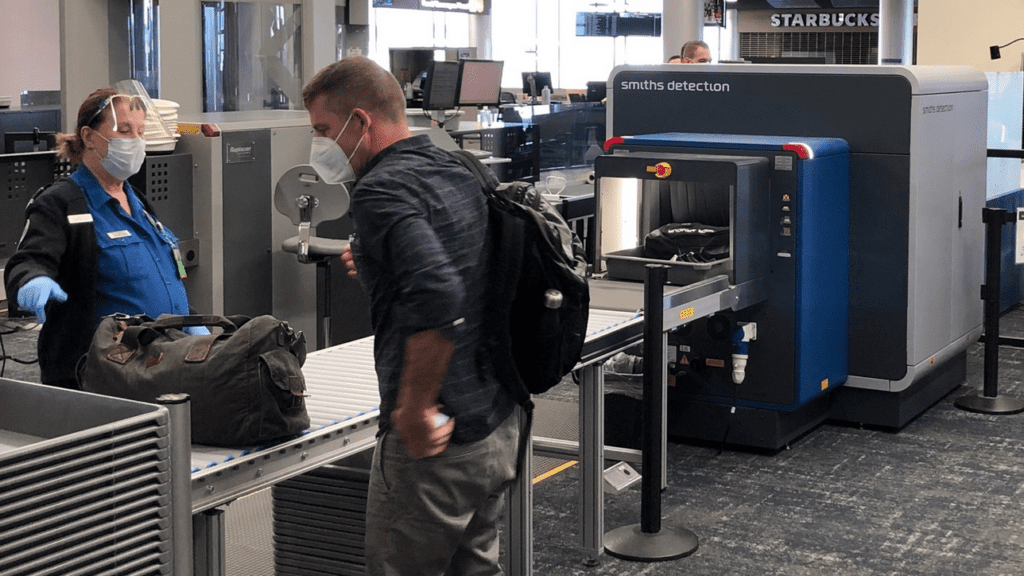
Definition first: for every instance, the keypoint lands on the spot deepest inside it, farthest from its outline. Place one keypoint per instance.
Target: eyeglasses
(135, 102)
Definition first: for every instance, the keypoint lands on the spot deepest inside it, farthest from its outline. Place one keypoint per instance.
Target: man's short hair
(357, 82)
(674, 58)
(690, 48)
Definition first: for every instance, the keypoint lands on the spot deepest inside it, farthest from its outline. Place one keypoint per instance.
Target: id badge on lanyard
(178, 262)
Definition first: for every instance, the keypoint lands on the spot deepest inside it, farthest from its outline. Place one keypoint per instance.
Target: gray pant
(439, 515)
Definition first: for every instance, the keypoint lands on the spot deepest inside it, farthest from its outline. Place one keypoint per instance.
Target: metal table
(344, 415)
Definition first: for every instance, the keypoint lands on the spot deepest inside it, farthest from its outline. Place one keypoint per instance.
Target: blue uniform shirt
(137, 271)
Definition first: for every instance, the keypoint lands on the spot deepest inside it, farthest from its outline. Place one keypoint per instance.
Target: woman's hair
(70, 146)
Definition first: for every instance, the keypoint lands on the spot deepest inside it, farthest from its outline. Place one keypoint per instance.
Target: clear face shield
(134, 103)
(138, 99)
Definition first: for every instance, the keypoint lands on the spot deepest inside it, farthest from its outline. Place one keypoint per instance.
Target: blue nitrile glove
(37, 292)
(196, 330)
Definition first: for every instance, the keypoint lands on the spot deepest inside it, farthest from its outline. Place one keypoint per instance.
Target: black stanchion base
(990, 404)
(631, 543)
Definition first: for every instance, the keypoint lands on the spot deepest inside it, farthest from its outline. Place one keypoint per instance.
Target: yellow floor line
(554, 471)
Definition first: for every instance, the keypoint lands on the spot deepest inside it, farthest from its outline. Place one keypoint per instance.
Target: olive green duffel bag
(245, 382)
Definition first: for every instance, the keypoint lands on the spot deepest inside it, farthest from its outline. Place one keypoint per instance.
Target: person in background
(675, 59)
(449, 431)
(695, 52)
(91, 245)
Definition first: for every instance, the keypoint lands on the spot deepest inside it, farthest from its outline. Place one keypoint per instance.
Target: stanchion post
(650, 541)
(653, 398)
(991, 402)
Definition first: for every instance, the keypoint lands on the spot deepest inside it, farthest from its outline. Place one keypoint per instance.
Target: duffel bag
(245, 383)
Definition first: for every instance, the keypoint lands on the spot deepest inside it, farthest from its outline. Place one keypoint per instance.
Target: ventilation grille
(96, 502)
(320, 522)
(15, 176)
(62, 168)
(20, 176)
(157, 181)
(835, 47)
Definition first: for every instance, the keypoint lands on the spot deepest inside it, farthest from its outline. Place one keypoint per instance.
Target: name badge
(118, 234)
(79, 218)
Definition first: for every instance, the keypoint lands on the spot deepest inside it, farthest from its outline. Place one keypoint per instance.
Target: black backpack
(538, 298)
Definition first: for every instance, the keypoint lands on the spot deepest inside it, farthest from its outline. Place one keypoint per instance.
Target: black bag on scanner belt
(538, 298)
(246, 384)
(688, 242)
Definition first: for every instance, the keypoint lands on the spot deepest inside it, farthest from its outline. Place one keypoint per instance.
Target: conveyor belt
(343, 411)
(343, 414)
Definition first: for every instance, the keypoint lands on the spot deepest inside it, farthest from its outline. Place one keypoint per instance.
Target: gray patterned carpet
(941, 497)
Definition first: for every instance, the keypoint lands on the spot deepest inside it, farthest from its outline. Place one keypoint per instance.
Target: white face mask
(330, 161)
(124, 156)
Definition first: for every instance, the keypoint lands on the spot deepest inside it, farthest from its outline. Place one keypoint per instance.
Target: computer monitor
(441, 85)
(480, 82)
(534, 83)
(596, 91)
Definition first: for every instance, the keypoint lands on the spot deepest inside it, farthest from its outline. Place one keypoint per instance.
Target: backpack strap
(508, 237)
(507, 242)
(473, 164)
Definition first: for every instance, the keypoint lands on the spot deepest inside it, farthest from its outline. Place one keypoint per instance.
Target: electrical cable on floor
(3, 349)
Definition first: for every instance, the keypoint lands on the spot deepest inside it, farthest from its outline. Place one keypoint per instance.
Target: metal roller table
(344, 415)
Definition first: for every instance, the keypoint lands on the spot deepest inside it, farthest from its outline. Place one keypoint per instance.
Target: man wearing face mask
(449, 431)
(92, 246)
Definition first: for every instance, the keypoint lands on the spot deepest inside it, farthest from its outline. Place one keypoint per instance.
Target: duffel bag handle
(165, 321)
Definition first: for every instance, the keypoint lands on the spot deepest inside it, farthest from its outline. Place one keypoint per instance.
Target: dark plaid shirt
(421, 228)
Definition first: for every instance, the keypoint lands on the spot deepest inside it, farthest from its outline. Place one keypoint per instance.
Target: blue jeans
(439, 515)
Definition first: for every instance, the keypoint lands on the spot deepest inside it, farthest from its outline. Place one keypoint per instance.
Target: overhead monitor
(534, 82)
(441, 85)
(638, 25)
(480, 82)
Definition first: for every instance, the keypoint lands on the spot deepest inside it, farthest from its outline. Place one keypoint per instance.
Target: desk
(514, 141)
(578, 206)
(45, 118)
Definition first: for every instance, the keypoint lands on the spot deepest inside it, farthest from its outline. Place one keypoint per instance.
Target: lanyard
(174, 245)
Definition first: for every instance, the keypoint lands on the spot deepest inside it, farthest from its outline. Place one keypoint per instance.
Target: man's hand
(346, 257)
(420, 432)
(426, 360)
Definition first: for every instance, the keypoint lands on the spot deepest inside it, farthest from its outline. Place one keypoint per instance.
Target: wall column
(732, 32)
(896, 32)
(84, 45)
(480, 35)
(681, 21)
(181, 55)
(319, 36)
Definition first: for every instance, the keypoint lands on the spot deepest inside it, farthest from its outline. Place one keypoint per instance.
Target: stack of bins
(84, 484)
(320, 520)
